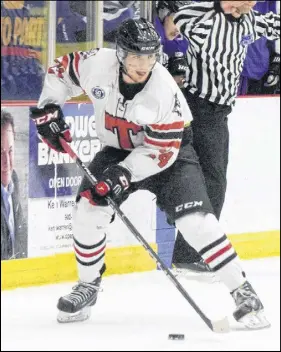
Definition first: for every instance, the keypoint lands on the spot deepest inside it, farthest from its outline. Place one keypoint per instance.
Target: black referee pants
(211, 143)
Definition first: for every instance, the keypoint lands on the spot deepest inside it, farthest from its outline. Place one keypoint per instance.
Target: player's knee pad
(90, 222)
(198, 228)
(203, 232)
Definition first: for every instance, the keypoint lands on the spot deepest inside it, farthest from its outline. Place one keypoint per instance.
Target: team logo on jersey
(98, 92)
(247, 39)
(123, 129)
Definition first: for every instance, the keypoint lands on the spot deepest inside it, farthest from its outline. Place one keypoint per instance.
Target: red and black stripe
(91, 251)
(163, 135)
(73, 68)
(212, 245)
(219, 253)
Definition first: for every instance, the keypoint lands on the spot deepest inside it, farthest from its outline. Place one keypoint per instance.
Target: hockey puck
(176, 336)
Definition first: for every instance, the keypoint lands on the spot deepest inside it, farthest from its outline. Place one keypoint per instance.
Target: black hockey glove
(51, 125)
(177, 66)
(114, 182)
(273, 75)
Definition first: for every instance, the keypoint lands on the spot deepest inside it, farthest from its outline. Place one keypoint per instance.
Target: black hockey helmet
(166, 8)
(138, 36)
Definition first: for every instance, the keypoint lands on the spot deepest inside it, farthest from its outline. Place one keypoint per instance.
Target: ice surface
(137, 312)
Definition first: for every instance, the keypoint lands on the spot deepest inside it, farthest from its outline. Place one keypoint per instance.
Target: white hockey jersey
(151, 125)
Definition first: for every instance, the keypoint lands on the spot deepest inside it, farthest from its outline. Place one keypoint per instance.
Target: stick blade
(221, 326)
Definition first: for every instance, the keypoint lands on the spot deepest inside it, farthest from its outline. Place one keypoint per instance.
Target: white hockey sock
(203, 232)
(89, 224)
(89, 258)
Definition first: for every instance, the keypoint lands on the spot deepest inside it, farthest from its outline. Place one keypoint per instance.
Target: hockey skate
(249, 309)
(76, 306)
(199, 271)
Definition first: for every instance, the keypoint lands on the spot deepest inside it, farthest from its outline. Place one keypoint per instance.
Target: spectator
(73, 18)
(13, 226)
(71, 25)
(114, 13)
(171, 39)
(174, 50)
(261, 69)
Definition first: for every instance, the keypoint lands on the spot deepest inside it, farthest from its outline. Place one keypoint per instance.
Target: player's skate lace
(83, 291)
(83, 294)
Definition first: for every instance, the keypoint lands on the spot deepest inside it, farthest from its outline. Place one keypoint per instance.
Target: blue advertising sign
(54, 174)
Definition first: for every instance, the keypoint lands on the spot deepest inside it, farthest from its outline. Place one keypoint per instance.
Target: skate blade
(207, 277)
(255, 321)
(81, 315)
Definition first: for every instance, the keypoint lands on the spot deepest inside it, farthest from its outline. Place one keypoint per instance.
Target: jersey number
(123, 129)
(164, 157)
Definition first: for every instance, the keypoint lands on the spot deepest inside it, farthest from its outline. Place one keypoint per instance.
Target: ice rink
(137, 312)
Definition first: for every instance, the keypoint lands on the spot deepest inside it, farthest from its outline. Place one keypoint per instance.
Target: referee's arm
(267, 25)
(194, 17)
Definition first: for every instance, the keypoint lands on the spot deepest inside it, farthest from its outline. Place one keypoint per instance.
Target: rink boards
(49, 183)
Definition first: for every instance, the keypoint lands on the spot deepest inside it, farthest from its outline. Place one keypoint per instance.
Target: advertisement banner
(55, 174)
(23, 38)
(54, 180)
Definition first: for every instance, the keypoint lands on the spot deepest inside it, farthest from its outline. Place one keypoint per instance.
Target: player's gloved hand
(177, 66)
(114, 181)
(273, 75)
(51, 125)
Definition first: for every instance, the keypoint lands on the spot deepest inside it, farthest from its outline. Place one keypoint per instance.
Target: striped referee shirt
(218, 47)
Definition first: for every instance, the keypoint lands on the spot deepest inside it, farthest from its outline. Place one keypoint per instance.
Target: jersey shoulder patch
(89, 53)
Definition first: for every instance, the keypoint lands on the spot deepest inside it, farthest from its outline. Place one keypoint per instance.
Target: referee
(219, 33)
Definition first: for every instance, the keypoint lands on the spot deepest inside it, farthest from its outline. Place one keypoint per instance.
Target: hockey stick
(216, 326)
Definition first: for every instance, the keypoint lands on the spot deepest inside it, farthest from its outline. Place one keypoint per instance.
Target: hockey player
(140, 119)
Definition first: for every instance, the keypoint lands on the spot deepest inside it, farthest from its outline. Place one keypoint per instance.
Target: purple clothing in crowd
(257, 61)
(69, 23)
(179, 44)
(113, 24)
